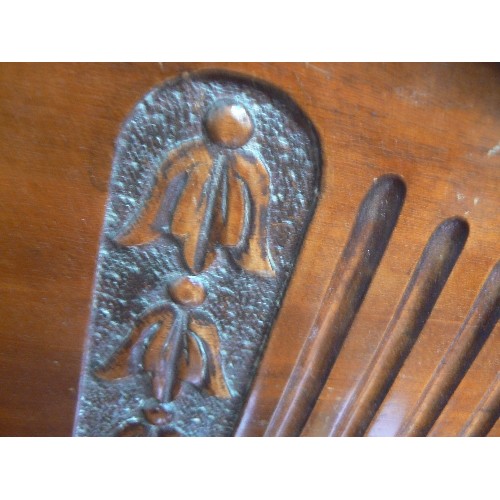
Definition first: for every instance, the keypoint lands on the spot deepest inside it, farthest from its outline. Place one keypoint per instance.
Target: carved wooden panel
(303, 249)
(215, 180)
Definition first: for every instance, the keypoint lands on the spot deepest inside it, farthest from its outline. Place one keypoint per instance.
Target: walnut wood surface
(434, 126)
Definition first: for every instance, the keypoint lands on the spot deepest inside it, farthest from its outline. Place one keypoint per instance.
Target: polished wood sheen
(389, 324)
(374, 224)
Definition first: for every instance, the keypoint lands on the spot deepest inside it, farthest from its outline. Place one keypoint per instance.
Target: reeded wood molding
(479, 323)
(426, 283)
(375, 222)
(349, 284)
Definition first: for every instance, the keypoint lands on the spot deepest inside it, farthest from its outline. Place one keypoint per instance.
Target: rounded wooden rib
(486, 414)
(465, 347)
(414, 308)
(352, 276)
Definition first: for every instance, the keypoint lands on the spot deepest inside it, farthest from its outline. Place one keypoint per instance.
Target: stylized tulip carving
(213, 193)
(215, 180)
(217, 195)
(173, 343)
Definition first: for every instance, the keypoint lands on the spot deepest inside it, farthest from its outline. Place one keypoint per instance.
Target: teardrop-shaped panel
(215, 179)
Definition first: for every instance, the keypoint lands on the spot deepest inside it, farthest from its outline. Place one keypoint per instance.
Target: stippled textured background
(130, 280)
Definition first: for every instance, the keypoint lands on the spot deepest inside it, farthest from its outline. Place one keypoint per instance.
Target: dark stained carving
(214, 182)
(218, 196)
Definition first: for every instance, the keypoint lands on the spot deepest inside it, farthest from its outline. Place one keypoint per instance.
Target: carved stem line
(175, 351)
(212, 194)
(476, 328)
(353, 274)
(486, 413)
(424, 288)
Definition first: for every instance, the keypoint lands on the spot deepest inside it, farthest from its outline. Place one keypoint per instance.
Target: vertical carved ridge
(353, 274)
(486, 414)
(476, 328)
(424, 288)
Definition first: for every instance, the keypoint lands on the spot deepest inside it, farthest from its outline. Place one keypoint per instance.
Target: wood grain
(435, 126)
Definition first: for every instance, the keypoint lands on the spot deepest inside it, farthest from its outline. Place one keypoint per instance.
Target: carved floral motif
(217, 195)
(214, 181)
